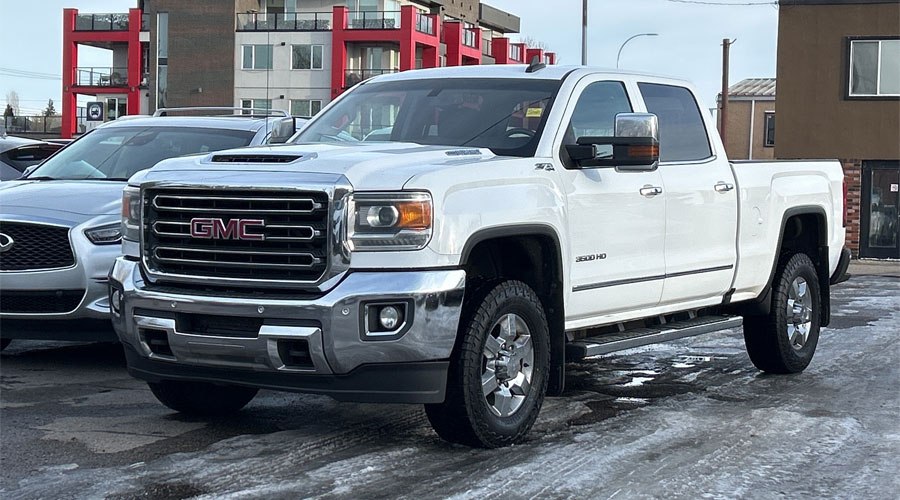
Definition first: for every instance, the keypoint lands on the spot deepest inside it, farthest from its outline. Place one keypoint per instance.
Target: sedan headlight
(108, 234)
(131, 213)
(389, 221)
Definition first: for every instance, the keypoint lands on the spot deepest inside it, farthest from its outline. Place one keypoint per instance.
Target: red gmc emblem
(218, 229)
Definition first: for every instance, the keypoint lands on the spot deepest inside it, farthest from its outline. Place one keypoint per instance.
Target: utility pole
(723, 110)
(584, 24)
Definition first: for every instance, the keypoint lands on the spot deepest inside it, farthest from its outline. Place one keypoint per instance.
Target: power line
(726, 4)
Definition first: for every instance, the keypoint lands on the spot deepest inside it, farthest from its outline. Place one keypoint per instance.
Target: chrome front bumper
(332, 325)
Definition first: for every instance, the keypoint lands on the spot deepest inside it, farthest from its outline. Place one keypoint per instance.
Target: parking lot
(683, 420)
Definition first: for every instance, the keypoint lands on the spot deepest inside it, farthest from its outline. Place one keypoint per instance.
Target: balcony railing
(101, 77)
(425, 24)
(373, 20)
(101, 22)
(32, 124)
(291, 21)
(354, 76)
(470, 38)
(487, 47)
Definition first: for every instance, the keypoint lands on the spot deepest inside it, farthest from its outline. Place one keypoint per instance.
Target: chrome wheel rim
(799, 313)
(507, 365)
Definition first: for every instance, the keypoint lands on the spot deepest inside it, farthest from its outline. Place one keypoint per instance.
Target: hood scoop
(254, 158)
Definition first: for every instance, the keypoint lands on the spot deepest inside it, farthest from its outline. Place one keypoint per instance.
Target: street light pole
(619, 56)
(584, 25)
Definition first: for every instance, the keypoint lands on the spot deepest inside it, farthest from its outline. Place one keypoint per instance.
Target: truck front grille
(288, 229)
(31, 247)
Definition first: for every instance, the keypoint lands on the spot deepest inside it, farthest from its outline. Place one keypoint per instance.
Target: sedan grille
(35, 247)
(40, 302)
(285, 241)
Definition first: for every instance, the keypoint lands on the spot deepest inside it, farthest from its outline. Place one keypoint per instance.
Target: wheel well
(536, 260)
(805, 233)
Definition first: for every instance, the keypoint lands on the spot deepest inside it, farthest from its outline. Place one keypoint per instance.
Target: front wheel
(498, 375)
(785, 340)
(200, 398)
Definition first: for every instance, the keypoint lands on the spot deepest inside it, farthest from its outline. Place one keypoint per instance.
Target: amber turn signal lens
(414, 215)
(643, 151)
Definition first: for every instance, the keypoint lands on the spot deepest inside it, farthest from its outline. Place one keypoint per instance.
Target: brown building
(839, 97)
(750, 130)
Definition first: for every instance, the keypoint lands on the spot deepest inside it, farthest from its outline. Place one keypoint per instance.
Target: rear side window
(682, 135)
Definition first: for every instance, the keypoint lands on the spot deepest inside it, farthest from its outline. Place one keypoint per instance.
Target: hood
(70, 200)
(366, 165)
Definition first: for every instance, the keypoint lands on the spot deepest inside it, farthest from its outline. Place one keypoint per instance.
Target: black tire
(465, 416)
(4, 343)
(202, 399)
(766, 337)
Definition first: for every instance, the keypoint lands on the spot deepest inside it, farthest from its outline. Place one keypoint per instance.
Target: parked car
(59, 226)
(17, 154)
(516, 218)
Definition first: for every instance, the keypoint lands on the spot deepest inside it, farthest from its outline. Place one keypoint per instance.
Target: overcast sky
(688, 45)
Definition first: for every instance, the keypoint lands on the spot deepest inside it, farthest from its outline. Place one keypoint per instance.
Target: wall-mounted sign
(95, 111)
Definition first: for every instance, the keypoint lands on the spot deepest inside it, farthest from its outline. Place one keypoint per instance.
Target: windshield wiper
(117, 179)
(40, 178)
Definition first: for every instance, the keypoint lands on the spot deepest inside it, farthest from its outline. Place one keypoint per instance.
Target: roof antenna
(536, 65)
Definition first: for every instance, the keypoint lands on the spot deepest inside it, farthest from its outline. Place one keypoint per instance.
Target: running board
(629, 339)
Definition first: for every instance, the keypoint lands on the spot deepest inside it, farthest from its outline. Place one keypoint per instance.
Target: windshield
(503, 115)
(118, 153)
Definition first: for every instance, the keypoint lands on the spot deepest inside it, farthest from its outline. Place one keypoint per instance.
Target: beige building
(750, 127)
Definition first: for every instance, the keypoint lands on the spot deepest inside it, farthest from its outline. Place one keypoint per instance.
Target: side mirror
(29, 170)
(282, 130)
(635, 147)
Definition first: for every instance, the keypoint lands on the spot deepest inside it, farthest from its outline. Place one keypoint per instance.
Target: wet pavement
(690, 419)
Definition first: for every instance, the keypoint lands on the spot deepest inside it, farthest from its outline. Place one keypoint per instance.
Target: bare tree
(12, 99)
(533, 43)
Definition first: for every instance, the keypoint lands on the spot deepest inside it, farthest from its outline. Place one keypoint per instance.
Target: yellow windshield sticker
(534, 113)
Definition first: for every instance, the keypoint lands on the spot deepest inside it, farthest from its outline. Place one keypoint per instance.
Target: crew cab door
(701, 198)
(616, 234)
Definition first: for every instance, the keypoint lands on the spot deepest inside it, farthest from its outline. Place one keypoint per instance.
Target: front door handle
(651, 191)
(724, 187)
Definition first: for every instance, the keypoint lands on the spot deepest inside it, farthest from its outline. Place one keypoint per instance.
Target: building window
(307, 56)
(256, 57)
(305, 107)
(258, 105)
(769, 139)
(874, 68)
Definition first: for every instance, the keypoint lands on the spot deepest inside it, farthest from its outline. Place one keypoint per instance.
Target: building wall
(201, 51)
(814, 118)
(737, 140)
(281, 79)
(465, 10)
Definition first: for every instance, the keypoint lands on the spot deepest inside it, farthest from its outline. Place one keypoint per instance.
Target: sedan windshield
(503, 115)
(117, 153)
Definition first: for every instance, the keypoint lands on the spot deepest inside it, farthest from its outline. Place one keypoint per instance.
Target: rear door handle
(724, 187)
(651, 191)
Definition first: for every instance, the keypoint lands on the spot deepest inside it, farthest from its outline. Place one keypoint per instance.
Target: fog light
(389, 317)
(115, 301)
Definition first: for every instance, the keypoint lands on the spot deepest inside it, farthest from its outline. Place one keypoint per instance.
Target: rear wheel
(785, 340)
(4, 343)
(498, 376)
(200, 398)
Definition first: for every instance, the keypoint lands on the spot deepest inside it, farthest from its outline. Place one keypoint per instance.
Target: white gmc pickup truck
(452, 237)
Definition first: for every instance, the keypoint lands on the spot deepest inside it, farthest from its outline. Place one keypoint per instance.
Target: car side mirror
(635, 147)
(283, 130)
(29, 170)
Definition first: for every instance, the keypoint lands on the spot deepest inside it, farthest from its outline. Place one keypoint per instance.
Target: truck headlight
(389, 221)
(131, 214)
(108, 234)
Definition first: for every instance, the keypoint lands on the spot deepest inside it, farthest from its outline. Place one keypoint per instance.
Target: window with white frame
(256, 57)
(260, 105)
(769, 130)
(874, 68)
(305, 107)
(307, 56)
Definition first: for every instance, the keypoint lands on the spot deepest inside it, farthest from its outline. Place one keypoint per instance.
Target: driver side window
(596, 110)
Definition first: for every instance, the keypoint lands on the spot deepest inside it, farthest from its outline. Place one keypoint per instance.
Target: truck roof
(235, 122)
(552, 72)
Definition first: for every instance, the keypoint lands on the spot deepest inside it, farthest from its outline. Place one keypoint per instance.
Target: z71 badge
(589, 258)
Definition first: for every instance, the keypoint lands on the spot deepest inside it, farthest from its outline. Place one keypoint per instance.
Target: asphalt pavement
(690, 419)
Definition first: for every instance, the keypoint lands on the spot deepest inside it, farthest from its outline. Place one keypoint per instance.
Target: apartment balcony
(102, 22)
(292, 21)
(373, 20)
(515, 53)
(354, 76)
(425, 24)
(101, 77)
(470, 37)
